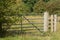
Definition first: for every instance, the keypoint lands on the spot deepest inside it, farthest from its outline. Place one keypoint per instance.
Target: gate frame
(53, 22)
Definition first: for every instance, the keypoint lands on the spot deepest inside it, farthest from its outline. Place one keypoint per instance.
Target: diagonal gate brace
(32, 24)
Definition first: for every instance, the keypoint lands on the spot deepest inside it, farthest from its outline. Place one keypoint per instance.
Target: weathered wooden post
(46, 15)
(52, 23)
(55, 22)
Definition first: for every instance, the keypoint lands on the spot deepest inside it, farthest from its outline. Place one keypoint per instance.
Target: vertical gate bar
(21, 24)
(52, 23)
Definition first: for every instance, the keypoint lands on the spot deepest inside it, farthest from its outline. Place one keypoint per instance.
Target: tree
(39, 7)
(4, 11)
(51, 6)
(9, 9)
(30, 3)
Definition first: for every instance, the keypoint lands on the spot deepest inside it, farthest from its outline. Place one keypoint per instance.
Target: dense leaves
(30, 3)
(51, 6)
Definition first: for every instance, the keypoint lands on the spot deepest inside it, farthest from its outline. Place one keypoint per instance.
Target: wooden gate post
(55, 22)
(46, 15)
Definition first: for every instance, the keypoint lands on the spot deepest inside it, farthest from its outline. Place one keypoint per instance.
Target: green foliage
(30, 3)
(10, 10)
(51, 6)
(39, 7)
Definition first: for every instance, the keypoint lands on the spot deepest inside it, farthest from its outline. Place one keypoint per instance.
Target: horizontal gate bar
(35, 18)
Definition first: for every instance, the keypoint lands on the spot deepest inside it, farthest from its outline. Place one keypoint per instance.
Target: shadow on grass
(13, 33)
(3, 33)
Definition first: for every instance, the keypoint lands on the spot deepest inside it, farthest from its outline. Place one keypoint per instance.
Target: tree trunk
(0, 29)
